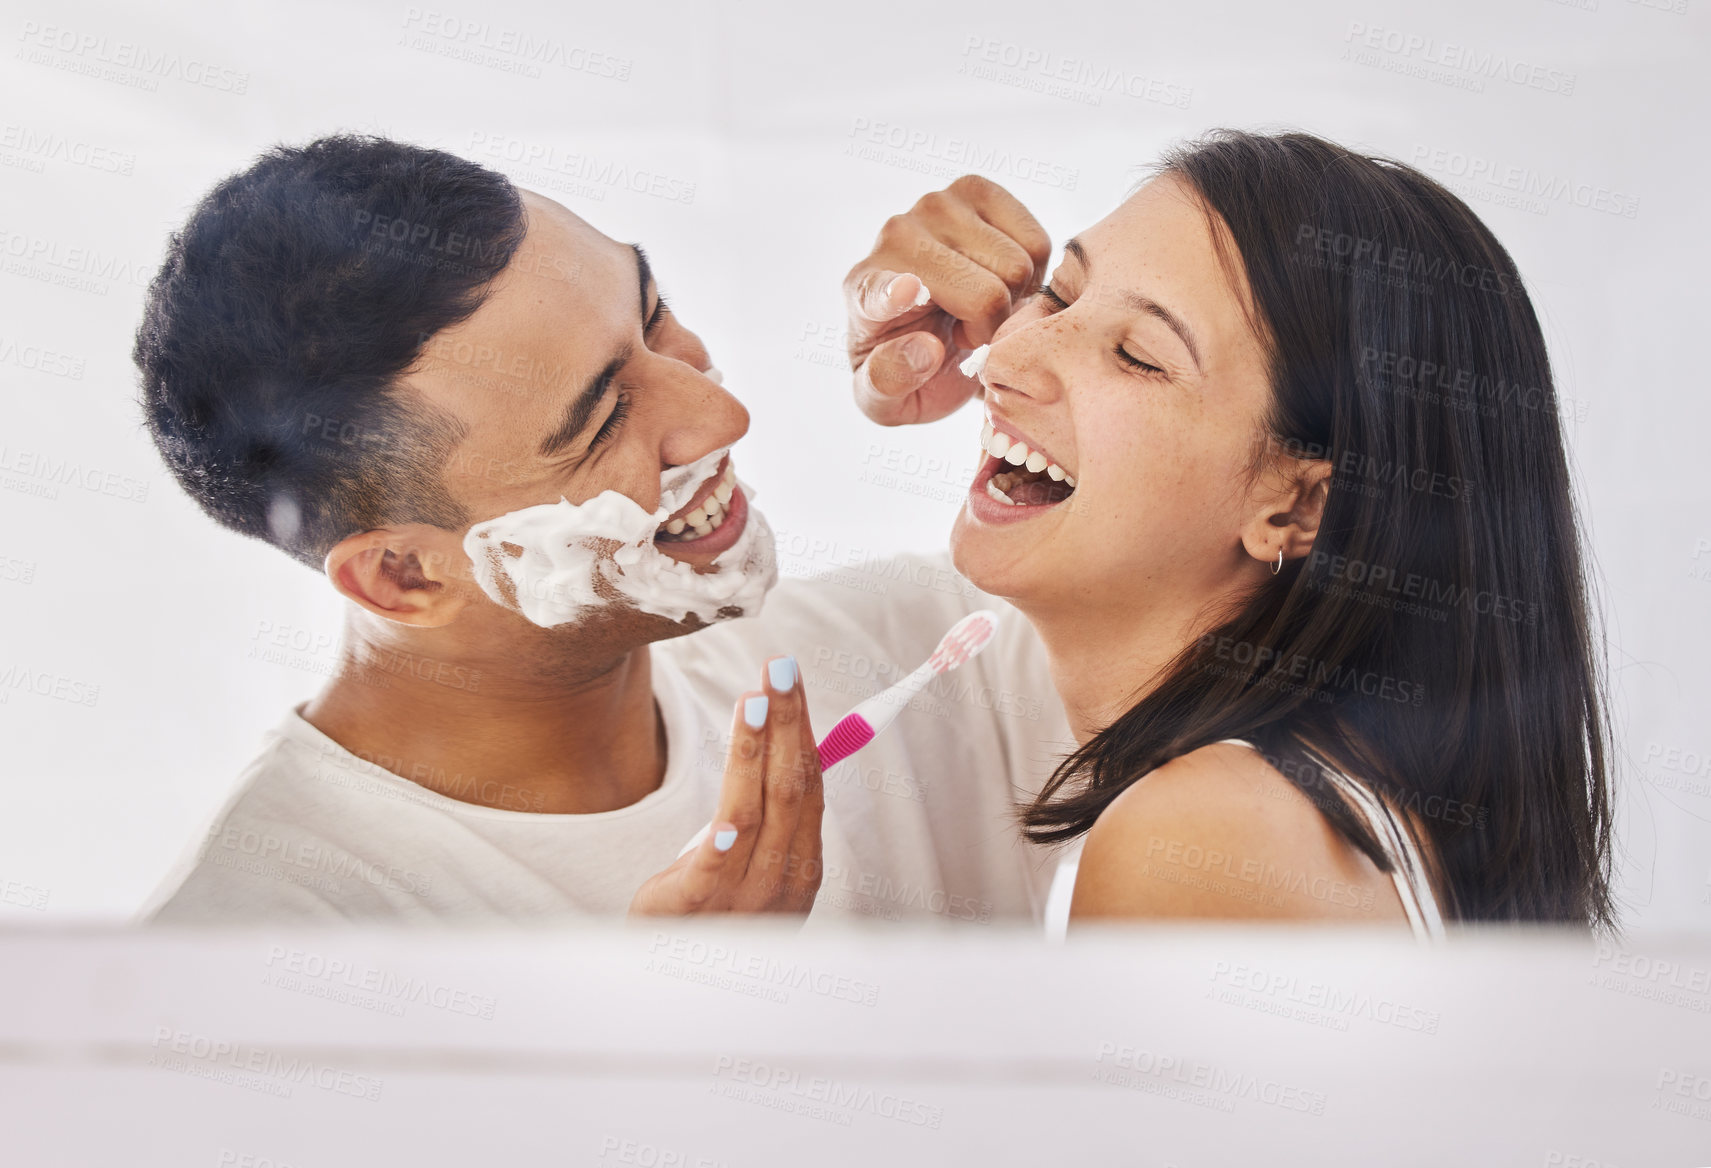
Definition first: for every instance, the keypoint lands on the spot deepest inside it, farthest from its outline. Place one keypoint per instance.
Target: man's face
(574, 378)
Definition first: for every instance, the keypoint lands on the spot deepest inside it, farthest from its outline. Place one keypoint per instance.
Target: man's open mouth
(1018, 475)
(707, 511)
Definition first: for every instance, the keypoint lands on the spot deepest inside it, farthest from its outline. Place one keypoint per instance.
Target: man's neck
(476, 734)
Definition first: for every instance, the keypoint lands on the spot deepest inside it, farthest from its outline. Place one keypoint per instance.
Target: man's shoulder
(283, 845)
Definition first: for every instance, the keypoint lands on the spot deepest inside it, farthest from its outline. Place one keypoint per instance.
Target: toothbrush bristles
(968, 637)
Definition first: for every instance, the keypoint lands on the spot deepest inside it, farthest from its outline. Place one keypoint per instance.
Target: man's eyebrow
(1145, 304)
(581, 408)
(644, 280)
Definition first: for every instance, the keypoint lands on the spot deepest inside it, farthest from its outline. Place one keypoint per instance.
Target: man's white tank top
(1407, 867)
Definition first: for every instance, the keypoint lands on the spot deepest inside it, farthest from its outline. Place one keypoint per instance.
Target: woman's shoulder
(1219, 833)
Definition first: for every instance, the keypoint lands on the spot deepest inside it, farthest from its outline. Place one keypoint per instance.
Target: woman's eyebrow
(1139, 303)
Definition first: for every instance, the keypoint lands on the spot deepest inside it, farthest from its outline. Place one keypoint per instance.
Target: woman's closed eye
(1056, 303)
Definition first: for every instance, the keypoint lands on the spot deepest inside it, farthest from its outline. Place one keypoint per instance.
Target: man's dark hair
(288, 306)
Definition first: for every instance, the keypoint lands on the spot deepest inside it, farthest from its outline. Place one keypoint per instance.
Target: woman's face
(1137, 375)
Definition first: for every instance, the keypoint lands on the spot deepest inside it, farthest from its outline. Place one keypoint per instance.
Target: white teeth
(701, 529)
(992, 489)
(697, 517)
(723, 492)
(1015, 452)
(675, 527)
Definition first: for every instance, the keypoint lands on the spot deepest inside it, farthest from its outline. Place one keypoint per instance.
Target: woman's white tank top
(1407, 867)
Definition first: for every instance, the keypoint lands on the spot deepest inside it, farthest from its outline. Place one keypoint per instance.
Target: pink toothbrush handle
(850, 734)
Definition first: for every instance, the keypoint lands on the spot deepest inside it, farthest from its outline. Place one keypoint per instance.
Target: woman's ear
(1291, 499)
(413, 575)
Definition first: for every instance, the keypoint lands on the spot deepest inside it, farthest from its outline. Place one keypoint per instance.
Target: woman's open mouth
(710, 522)
(1018, 480)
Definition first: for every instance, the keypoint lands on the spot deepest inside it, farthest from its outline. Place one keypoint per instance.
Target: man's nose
(704, 417)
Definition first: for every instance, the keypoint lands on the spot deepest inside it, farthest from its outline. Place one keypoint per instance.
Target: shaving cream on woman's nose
(557, 562)
(975, 363)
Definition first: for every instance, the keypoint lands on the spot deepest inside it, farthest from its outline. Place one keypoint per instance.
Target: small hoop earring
(1278, 567)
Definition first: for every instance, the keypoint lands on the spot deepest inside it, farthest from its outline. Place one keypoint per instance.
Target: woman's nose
(1023, 363)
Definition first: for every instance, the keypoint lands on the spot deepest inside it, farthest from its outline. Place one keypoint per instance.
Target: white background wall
(116, 586)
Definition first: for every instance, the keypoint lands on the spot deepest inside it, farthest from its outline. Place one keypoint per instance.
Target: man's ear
(1291, 499)
(414, 574)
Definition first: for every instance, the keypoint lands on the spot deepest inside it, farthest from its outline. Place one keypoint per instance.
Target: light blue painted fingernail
(781, 671)
(754, 711)
(724, 839)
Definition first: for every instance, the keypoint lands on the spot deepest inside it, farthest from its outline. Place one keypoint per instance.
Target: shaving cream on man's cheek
(568, 566)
